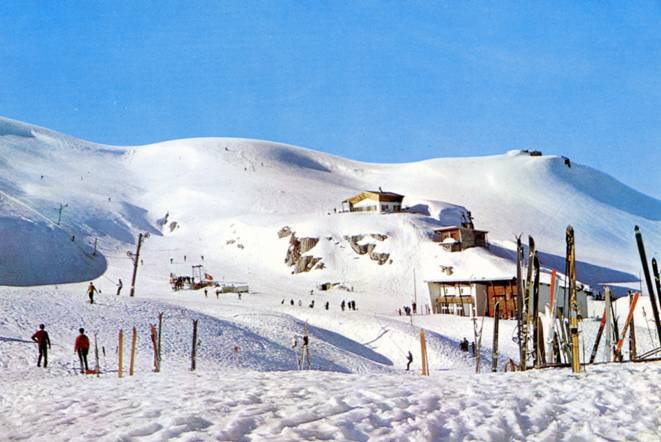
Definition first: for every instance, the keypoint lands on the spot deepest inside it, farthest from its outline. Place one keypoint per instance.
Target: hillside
(229, 197)
(257, 212)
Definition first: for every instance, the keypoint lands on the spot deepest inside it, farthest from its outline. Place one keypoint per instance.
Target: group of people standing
(81, 347)
(351, 305)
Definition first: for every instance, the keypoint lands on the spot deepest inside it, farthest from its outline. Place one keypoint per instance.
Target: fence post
(121, 338)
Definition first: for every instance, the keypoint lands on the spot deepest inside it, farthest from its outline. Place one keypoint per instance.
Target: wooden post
(97, 367)
(160, 329)
(423, 353)
(121, 339)
(132, 364)
(136, 260)
(154, 338)
(192, 358)
(494, 347)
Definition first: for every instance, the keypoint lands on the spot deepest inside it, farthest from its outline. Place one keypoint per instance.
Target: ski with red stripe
(626, 324)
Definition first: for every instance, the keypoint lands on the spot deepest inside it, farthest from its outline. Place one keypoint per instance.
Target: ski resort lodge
(458, 296)
(374, 201)
(458, 238)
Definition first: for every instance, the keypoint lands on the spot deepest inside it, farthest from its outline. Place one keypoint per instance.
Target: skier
(171, 260)
(217, 294)
(473, 347)
(414, 307)
(409, 358)
(291, 302)
(300, 304)
(463, 345)
(206, 293)
(305, 353)
(239, 296)
(90, 292)
(342, 305)
(312, 304)
(119, 287)
(43, 342)
(327, 305)
(82, 347)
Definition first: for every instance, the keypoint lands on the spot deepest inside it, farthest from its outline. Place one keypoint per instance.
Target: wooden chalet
(458, 238)
(463, 296)
(374, 201)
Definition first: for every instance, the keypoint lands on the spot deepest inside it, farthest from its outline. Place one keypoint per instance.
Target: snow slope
(229, 197)
(536, 406)
(221, 203)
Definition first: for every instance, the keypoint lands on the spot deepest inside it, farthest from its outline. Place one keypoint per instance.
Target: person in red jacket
(43, 342)
(82, 347)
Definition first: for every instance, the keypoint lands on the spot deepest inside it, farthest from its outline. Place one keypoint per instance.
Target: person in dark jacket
(90, 292)
(409, 358)
(119, 287)
(82, 347)
(43, 342)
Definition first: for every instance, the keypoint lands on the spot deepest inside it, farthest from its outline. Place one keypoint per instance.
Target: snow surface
(225, 200)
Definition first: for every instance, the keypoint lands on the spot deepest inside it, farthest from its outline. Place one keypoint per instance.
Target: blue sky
(375, 81)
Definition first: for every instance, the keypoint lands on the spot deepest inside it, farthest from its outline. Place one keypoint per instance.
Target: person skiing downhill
(409, 358)
(82, 347)
(90, 292)
(43, 342)
(119, 287)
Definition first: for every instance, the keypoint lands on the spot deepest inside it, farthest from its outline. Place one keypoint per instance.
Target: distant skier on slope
(90, 292)
(43, 343)
(82, 347)
(342, 305)
(409, 358)
(119, 287)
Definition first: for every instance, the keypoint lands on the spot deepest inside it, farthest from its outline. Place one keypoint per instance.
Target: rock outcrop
(296, 257)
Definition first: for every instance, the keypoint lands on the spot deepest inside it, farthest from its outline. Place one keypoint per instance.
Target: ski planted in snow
(618, 349)
(535, 313)
(573, 304)
(600, 332)
(648, 280)
(525, 305)
(550, 350)
(519, 298)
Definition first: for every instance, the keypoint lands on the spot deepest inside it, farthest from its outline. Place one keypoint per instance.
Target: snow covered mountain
(247, 210)
(226, 199)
